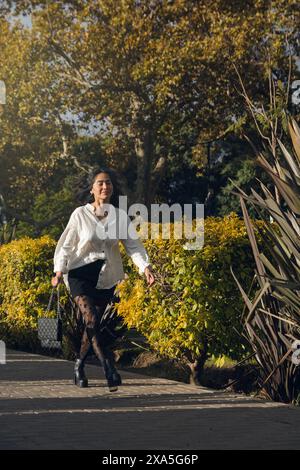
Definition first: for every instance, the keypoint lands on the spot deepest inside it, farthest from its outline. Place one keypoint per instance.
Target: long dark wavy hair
(85, 184)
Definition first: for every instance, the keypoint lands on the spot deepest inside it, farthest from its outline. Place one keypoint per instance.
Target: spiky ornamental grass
(272, 322)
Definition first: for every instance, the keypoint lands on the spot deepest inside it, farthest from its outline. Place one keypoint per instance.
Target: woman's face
(102, 188)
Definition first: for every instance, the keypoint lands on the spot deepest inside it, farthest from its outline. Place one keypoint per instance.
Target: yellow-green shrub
(25, 271)
(195, 299)
(195, 304)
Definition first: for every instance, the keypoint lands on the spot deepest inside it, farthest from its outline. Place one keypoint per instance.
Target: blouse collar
(90, 207)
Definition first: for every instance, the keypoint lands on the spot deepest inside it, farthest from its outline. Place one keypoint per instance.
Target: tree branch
(25, 218)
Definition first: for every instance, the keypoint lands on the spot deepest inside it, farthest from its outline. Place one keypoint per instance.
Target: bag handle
(58, 307)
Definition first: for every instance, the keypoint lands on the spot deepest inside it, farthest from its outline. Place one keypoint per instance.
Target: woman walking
(88, 259)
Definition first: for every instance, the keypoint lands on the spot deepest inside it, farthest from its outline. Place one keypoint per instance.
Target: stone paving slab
(40, 408)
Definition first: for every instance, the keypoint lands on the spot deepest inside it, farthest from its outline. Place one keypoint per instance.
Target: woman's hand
(57, 279)
(149, 275)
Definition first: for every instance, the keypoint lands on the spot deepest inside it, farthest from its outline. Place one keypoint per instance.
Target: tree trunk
(140, 190)
(142, 131)
(198, 365)
(144, 148)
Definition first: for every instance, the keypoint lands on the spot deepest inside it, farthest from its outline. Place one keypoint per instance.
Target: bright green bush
(195, 304)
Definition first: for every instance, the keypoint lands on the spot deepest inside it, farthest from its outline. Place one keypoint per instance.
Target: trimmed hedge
(26, 267)
(25, 288)
(194, 305)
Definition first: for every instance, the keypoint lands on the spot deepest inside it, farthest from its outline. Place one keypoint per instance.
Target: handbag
(50, 329)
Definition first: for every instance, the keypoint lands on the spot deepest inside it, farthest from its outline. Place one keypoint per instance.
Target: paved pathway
(40, 408)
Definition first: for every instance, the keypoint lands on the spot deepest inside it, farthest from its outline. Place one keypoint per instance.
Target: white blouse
(86, 239)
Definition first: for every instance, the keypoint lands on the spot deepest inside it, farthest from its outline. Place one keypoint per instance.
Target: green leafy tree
(157, 72)
(153, 80)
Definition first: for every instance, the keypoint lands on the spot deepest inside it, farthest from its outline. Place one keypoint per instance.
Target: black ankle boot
(79, 375)
(112, 376)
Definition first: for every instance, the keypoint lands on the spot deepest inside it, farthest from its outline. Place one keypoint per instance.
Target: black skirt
(83, 280)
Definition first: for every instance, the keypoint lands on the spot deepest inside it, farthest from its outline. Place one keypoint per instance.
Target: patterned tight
(92, 311)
